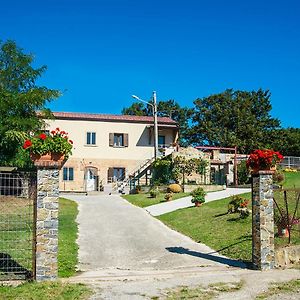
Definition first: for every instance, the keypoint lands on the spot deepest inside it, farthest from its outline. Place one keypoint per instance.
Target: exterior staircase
(142, 174)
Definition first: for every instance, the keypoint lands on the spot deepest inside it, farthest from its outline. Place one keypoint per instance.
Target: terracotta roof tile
(113, 118)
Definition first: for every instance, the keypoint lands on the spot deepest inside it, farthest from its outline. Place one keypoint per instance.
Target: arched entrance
(91, 179)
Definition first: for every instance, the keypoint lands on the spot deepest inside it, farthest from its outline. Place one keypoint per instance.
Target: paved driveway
(113, 234)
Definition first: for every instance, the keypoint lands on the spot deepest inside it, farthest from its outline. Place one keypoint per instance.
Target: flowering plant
(263, 159)
(56, 141)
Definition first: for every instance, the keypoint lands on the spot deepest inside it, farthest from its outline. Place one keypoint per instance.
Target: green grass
(45, 291)
(279, 288)
(226, 233)
(292, 180)
(144, 199)
(210, 224)
(67, 235)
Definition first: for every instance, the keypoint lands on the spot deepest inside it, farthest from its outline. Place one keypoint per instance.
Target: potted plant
(198, 196)
(154, 192)
(263, 159)
(168, 196)
(55, 146)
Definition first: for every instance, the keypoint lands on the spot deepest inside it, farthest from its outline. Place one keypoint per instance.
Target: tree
(169, 108)
(20, 99)
(232, 118)
(286, 141)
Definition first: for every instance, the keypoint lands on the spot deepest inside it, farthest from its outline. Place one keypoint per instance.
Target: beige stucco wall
(101, 155)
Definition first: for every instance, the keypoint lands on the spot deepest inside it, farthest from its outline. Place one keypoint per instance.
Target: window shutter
(111, 139)
(125, 139)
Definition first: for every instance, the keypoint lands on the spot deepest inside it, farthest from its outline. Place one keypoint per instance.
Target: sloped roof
(113, 118)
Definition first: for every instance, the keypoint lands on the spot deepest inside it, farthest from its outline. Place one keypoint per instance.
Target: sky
(100, 52)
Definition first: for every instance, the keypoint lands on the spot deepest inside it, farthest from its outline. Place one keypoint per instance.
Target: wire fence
(17, 229)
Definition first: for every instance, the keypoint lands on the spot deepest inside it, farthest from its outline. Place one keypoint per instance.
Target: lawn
(67, 235)
(144, 199)
(227, 233)
(292, 180)
(45, 291)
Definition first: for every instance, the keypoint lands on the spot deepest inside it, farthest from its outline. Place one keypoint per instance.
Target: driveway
(115, 234)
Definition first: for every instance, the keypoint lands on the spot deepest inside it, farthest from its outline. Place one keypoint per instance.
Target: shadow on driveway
(219, 259)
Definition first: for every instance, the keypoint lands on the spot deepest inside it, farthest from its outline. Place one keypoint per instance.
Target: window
(91, 138)
(161, 140)
(68, 174)
(116, 174)
(118, 140)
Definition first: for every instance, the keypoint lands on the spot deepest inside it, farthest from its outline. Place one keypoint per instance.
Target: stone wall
(47, 224)
(263, 254)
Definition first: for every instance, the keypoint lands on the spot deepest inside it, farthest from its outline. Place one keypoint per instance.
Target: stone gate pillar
(47, 220)
(263, 253)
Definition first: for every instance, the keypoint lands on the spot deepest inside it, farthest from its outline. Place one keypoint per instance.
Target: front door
(91, 179)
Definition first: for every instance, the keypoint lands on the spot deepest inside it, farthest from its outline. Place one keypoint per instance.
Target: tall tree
(286, 141)
(169, 108)
(232, 118)
(20, 99)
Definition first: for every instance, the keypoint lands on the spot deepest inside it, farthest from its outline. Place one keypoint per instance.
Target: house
(107, 147)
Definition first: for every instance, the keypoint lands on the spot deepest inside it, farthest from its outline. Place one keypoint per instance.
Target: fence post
(263, 253)
(47, 221)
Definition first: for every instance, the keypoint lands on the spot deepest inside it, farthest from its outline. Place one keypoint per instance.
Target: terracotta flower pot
(55, 160)
(197, 204)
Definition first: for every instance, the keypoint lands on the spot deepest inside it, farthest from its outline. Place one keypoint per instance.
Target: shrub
(239, 205)
(243, 173)
(278, 177)
(235, 203)
(198, 195)
(174, 188)
(138, 189)
(154, 192)
(168, 196)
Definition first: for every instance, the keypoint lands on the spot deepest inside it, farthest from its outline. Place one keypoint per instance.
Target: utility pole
(155, 126)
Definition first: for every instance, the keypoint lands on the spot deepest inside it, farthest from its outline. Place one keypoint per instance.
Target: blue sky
(100, 52)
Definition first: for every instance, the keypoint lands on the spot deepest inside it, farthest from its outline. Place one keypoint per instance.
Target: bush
(243, 173)
(235, 203)
(168, 196)
(239, 205)
(154, 192)
(174, 188)
(278, 177)
(138, 189)
(198, 195)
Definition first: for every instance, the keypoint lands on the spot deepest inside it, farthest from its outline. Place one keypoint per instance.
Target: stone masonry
(47, 223)
(263, 253)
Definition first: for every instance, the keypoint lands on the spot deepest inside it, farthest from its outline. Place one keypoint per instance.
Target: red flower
(57, 129)
(27, 144)
(42, 136)
(53, 132)
(263, 159)
(71, 142)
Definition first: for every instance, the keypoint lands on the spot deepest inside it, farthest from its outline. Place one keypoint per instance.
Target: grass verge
(67, 235)
(144, 199)
(201, 292)
(45, 291)
(288, 287)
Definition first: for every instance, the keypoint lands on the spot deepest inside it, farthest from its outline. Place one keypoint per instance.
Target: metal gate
(17, 225)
